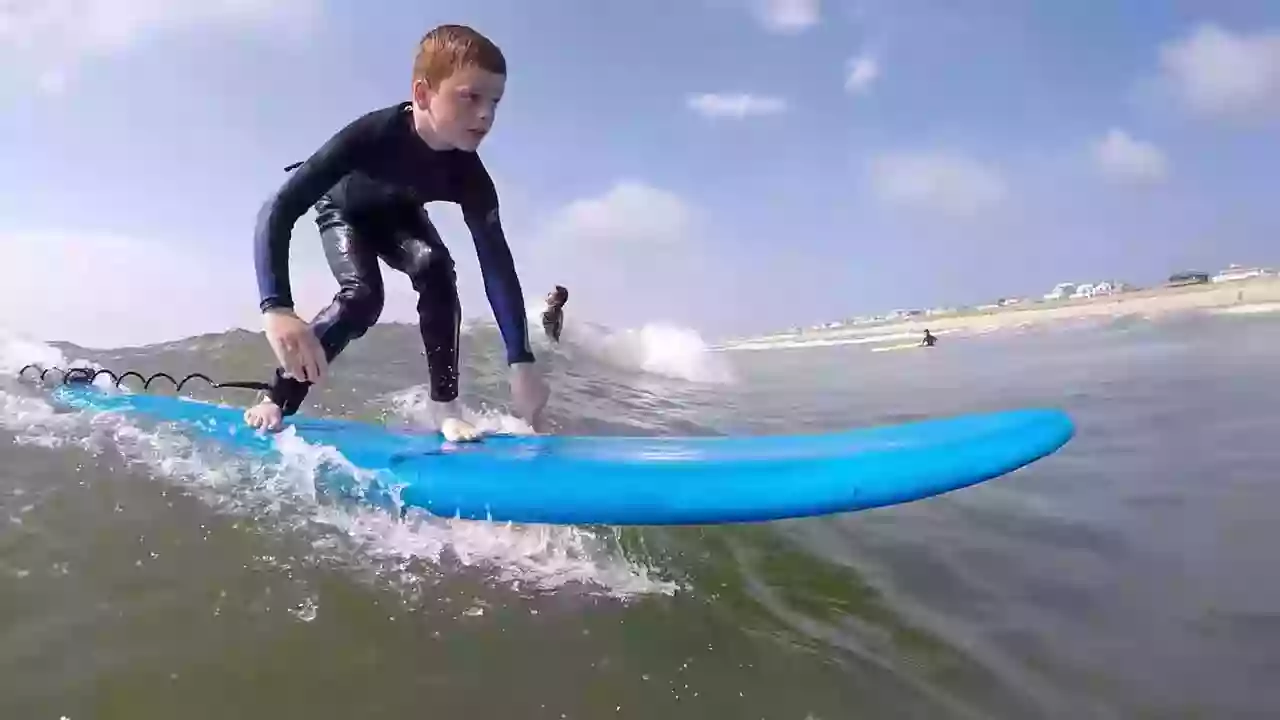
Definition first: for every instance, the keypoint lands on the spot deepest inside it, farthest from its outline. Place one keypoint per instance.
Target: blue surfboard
(645, 480)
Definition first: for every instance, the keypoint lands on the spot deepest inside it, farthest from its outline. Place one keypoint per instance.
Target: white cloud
(52, 82)
(861, 72)
(735, 105)
(1221, 73)
(104, 290)
(949, 184)
(1123, 158)
(633, 254)
(630, 214)
(787, 16)
(47, 39)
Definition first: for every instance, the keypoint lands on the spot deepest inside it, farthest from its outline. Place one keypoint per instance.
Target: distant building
(1187, 278)
(1060, 291)
(1077, 291)
(1236, 272)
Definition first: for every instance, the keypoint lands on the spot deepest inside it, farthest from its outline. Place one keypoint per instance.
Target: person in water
(929, 339)
(553, 316)
(368, 184)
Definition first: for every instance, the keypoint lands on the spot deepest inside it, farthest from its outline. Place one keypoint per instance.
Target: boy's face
(463, 106)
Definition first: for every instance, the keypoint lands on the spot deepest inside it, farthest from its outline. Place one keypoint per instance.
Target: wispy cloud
(735, 105)
(104, 289)
(861, 72)
(1123, 158)
(46, 40)
(787, 16)
(949, 184)
(1218, 72)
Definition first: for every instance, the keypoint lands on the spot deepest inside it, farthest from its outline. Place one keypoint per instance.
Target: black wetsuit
(368, 184)
(552, 322)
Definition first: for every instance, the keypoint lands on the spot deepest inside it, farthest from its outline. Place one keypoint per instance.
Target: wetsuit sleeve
(501, 284)
(305, 186)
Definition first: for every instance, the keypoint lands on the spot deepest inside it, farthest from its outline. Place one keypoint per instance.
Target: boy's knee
(363, 304)
(436, 277)
(429, 265)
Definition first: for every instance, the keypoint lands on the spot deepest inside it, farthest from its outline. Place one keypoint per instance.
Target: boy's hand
(296, 347)
(529, 393)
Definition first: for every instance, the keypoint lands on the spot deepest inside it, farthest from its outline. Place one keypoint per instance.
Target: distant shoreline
(1255, 294)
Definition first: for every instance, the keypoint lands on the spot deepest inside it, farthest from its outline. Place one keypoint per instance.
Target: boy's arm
(304, 187)
(501, 284)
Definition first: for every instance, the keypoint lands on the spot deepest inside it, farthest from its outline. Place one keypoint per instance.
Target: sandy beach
(1256, 295)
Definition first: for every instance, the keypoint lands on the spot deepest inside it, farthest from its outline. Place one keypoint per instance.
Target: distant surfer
(368, 185)
(929, 339)
(553, 316)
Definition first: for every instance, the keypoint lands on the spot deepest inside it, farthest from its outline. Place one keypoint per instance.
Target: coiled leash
(88, 376)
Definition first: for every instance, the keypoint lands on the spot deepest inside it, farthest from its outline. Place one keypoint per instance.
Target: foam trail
(282, 493)
(415, 406)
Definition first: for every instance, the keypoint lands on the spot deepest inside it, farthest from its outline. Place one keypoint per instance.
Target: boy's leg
(417, 251)
(352, 252)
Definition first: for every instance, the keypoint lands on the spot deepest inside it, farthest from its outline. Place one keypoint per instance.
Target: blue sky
(728, 165)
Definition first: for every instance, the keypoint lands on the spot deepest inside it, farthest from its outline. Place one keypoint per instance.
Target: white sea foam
(657, 348)
(280, 492)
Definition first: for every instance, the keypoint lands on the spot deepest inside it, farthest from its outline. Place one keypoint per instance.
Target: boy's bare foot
(266, 415)
(455, 430)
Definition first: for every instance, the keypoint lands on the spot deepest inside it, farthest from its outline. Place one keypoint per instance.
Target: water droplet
(306, 611)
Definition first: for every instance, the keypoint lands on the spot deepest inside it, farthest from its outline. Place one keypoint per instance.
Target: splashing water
(657, 348)
(281, 492)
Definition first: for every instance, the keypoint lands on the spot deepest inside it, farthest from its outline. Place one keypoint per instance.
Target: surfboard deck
(644, 480)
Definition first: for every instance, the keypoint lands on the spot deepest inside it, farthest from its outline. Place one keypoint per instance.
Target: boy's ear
(421, 92)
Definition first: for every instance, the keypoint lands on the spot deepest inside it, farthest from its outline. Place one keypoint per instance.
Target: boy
(553, 316)
(368, 184)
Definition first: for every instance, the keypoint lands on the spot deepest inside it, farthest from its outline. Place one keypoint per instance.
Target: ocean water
(144, 575)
